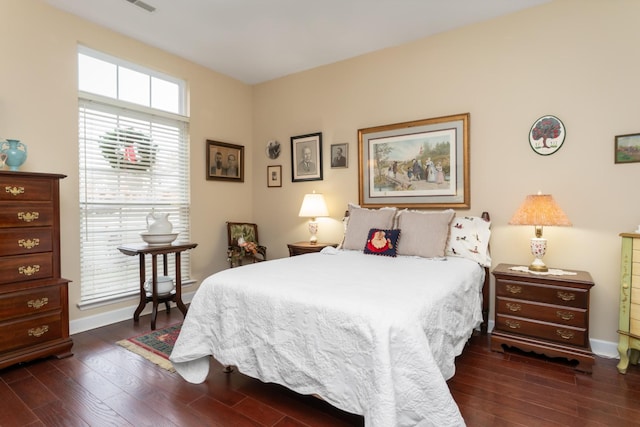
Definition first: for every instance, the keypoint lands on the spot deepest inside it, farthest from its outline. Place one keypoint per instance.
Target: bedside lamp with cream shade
(539, 210)
(313, 206)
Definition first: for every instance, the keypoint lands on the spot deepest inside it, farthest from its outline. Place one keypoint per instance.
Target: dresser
(629, 322)
(543, 314)
(301, 248)
(34, 307)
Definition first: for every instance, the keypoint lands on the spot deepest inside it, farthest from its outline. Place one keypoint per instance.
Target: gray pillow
(424, 234)
(362, 220)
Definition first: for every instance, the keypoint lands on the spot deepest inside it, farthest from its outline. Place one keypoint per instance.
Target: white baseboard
(114, 316)
(606, 349)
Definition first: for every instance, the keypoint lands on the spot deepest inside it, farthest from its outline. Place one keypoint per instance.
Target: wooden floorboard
(104, 384)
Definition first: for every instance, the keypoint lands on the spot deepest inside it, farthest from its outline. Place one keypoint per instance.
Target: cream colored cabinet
(629, 326)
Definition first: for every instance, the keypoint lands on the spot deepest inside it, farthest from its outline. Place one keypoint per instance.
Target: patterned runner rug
(155, 346)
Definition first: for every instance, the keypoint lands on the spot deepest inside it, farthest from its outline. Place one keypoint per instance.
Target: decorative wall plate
(273, 149)
(547, 135)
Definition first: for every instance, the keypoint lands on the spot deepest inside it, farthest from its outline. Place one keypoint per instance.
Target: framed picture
(339, 155)
(225, 162)
(306, 157)
(627, 148)
(547, 135)
(418, 164)
(274, 176)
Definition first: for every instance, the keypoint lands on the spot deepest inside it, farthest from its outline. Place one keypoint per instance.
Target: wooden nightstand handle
(513, 324)
(566, 296)
(514, 307)
(513, 289)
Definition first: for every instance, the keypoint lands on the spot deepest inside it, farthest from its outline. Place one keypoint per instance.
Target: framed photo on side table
(418, 164)
(274, 176)
(306, 157)
(225, 162)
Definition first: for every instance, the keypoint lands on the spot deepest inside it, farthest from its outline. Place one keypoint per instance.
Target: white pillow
(362, 220)
(469, 238)
(424, 234)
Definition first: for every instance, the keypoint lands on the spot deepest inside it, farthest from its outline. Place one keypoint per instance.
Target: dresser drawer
(32, 214)
(30, 332)
(15, 241)
(24, 189)
(557, 333)
(543, 312)
(19, 268)
(539, 292)
(29, 302)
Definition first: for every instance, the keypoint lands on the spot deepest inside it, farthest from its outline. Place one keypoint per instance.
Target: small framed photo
(627, 148)
(306, 157)
(225, 162)
(546, 135)
(274, 176)
(339, 155)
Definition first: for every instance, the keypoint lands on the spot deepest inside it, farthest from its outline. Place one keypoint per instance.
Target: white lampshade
(313, 206)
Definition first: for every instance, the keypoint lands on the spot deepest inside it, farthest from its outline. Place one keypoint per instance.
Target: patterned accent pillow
(424, 234)
(382, 242)
(469, 238)
(361, 220)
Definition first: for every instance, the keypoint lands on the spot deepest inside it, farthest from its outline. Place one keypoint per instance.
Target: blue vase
(16, 153)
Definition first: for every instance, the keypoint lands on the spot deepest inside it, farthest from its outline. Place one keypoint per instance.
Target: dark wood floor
(104, 384)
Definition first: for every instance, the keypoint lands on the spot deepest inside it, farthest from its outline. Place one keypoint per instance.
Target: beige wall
(38, 105)
(575, 59)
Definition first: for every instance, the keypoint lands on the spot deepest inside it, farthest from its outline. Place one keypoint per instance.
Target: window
(134, 158)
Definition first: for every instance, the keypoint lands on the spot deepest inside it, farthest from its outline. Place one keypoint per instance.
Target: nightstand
(300, 248)
(543, 314)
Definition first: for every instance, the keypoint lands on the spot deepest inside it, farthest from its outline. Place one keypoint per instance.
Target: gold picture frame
(416, 164)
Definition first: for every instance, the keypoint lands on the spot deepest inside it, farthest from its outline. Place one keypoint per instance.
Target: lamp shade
(539, 210)
(313, 206)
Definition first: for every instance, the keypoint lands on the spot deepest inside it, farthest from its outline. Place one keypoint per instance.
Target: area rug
(155, 346)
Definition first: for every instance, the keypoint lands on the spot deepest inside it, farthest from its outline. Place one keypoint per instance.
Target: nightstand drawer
(538, 292)
(543, 312)
(548, 331)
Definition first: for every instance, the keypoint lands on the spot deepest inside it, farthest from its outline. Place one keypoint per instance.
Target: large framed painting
(225, 162)
(306, 157)
(417, 164)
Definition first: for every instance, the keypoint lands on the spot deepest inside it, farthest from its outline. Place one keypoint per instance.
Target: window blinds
(130, 163)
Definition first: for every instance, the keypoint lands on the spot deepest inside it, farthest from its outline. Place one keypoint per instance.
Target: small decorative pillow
(424, 234)
(382, 242)
(362, 220)
(469, 238)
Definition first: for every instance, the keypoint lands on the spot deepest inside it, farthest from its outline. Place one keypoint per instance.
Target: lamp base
(313, 229)
(538, 249)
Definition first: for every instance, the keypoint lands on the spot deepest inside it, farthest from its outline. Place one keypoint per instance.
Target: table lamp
(539, 210)
(313, 206)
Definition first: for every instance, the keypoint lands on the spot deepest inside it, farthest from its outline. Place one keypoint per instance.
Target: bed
(370, 331)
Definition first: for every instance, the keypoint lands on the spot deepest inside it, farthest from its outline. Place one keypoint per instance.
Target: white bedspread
(372, 335)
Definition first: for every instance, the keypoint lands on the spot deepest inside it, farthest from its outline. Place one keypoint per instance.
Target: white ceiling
(259, 40)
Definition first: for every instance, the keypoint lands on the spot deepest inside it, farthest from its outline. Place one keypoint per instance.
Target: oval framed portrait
(273, 149)
(547, 135)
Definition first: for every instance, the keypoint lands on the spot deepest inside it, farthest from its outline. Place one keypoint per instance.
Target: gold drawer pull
(566, 296)
(28, 243)
(28, 216)
(38, 303)
(38, 332)
(29, 270)
(14, 191)
(514, 289)
(564, 334)
(565, 315)
(513, 324)
(514, 307)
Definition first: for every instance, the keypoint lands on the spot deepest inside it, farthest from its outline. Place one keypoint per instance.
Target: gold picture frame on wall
(225, 162)
(416, 164)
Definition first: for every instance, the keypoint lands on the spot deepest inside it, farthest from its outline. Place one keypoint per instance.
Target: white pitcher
(158, 223)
